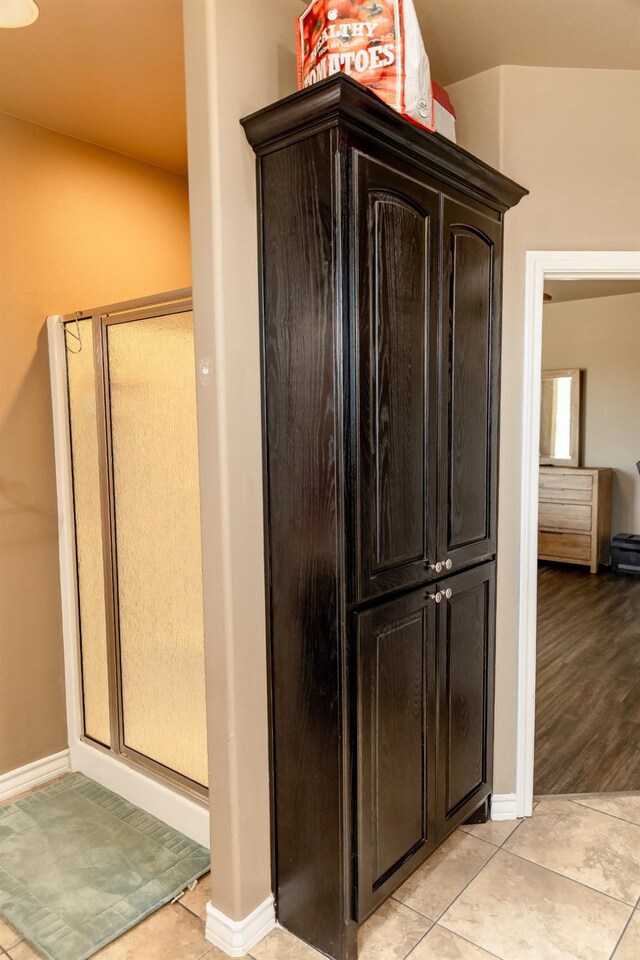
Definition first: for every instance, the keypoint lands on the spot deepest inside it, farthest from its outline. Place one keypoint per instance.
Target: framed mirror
(560, 418)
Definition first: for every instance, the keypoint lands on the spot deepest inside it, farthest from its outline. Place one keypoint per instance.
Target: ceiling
(562, 290)
(465, 37)
(107, 71)
(112, 71)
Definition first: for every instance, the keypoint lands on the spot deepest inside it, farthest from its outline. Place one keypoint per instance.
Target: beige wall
(240, 57)
(573, 138)
(81, 226)
(477, 102)
(602, 337)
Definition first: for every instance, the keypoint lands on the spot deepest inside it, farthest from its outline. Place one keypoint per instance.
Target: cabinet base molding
(237, 937)
(32, 774)
(503, 806)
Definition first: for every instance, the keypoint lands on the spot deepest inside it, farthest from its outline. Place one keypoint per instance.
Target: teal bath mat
(80, 865)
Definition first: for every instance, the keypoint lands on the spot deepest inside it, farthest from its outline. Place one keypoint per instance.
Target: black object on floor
(625, 554)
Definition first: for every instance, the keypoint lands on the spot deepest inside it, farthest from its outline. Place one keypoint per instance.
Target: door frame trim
(188, 815)
(540, 265)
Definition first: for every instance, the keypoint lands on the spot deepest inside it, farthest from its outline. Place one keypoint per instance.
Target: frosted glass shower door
(156, 528)
(134, 463)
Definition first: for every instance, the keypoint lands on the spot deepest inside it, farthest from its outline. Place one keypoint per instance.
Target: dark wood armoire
(380, 274)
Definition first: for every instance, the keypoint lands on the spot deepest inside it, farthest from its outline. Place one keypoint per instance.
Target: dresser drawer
(566, 486)
(564, 516)
(564, 546)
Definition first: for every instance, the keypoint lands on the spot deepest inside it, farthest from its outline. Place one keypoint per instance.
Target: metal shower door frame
(102, 318)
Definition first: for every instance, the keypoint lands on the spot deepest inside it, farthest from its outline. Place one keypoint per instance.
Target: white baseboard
(237, 937)
(504, 807)
(32, 774)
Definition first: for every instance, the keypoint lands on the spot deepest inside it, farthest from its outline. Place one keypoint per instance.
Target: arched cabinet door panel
(469, 378)
(395, 333)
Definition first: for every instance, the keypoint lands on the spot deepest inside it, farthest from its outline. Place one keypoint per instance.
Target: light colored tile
(196, 900)
(24, 951)
(19, 796)
(520, 911)
(629, 946)
(391, 932)
(169, 933)
(627, 808)
(282, 945)
(585, 845)
(441, 944)
(494, 831)
(438, 882)
(8, 936)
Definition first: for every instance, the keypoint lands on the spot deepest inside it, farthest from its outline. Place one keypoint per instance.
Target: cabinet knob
(438, 567)
(449, 564)
(448, 593)
(436, 597)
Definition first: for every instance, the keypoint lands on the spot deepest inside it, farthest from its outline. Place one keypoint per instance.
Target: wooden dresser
(574, 521)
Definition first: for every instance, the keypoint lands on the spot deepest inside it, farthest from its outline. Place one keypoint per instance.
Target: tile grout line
(476, 874)
(501, 847)
(13, 945)
(407, 956)
(470, 880)
(435, 924)
(571, 880)
(425, 934)
(594, 795)
(614, 816)
(208, 949)
(192, 913)
(486, 864)
(632, 907)
(422, 916)
(624, 930)
(418, 913)
(455, 933)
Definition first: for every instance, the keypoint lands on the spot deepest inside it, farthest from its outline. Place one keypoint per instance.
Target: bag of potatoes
(377, 42)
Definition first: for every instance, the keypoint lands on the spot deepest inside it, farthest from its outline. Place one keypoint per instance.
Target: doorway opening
(123, 381)
(566, 494)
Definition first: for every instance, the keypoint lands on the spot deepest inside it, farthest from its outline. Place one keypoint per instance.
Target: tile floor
(564, 885)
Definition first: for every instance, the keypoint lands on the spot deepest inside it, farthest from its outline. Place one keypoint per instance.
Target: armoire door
(469, 385)
(396, 744)
(394, 343)
(465, 667)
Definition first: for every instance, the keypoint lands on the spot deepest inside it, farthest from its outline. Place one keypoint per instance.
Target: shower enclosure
(123, 382)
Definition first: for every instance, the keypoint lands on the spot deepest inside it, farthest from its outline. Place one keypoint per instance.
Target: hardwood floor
(588, 686)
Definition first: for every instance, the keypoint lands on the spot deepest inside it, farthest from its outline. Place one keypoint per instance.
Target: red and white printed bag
(377, 42)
